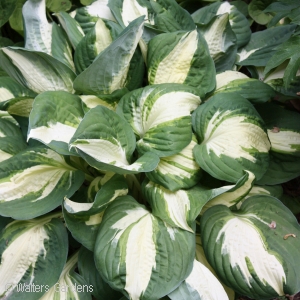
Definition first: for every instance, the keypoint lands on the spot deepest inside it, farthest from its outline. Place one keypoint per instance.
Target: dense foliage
(143, 148)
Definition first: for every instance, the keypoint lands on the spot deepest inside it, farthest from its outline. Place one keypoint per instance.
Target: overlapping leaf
(200, 284)
(54, 119)
(106, 141)
(221, 41)
(11, 139)
(181, 57)
(44, 36)
(88, 271)
(34, 182)
(109, 71)
(96, 40)
(238, 22)
(252, 89)
(36, 71)
(160, 116)
(231, 138)
(137, 253)
(179, 171)
(83, 218)
(70, 284)
(33, 253)
(244, 246)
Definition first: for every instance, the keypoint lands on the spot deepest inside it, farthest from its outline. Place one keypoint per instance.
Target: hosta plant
(143, 145)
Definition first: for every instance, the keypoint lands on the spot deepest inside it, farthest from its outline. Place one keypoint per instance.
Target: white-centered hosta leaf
(38, 29)
(231, 138)
(178, 209)
(99, 37)
(125, 11)
(238, 21)
(88, 15)
(88, 271)
(283, 128)
(33, 252)
(178, 171)
(91, 101)
(34, 182)
(40, 35)
(36, 71)
(160, 116)
(200, 284)
(234, 193)
(111, 68)
(252, 89)
(70, 284)
(181, 208)
(224, 78)
(139, 254)
(262, 45)
(254, 250)
(181, 57)
(10, 89)
(106, 141)
(11, 139)
(200, 256)
(221, 41)
(54, 119)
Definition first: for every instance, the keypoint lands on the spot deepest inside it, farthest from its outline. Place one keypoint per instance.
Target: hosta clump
(136, 123)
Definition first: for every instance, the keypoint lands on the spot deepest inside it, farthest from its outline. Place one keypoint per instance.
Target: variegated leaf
(11, 139)
(200, 284)
(239, 23)
(110, 71)
(32, 255)
(179, 171)
(83, 218)
(10, 89)
(96, 40)
(231, 138)
(160, 116)
(283, 128)
(244, 246)
(36, 71)
(106, 141)
(179, 209)
(44, 36)
(262, 45)
(70, 284)
(54, 119)
(34, 182)
(221, 42)
(252, 89)
(71, 27)
(125, 11)
(139, 254)
(200, 256)
(181, 57)
(88, 15)
(234, 193)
